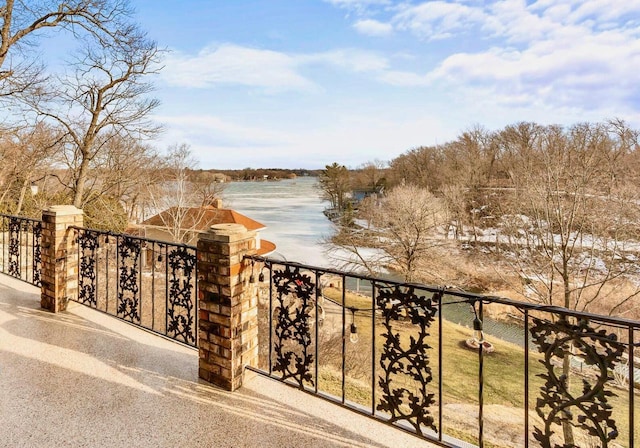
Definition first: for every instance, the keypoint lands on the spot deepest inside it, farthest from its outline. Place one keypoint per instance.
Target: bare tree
(105, 98)
(404, 230)
(572, 221)
(175, 198)
(571, 224)
(20, 24)
(122, 170)
(420, 166)
(370, 176)
(469, 159)
(207, 186)
(118, 185)
(26, 155)
(454, 198)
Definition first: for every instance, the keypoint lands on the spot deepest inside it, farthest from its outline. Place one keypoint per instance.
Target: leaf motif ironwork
(14, 247)
(406, 360)
(181, 313)
(88, 243)
(128, 293)
(557, 404)
(37, 253)
(294, 291)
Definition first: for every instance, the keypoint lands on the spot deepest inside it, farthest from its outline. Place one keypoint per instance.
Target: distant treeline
(248, 174)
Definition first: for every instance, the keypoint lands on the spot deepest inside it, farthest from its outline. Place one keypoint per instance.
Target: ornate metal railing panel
(292, 316)
(128, 268)
(21, 248)
(411, 360)
(430, 361)
(182, 312)
(87, 263)
(145, 282)
(586, 407)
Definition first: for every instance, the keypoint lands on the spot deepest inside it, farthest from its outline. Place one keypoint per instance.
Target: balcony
(428, 360)
(83, 378)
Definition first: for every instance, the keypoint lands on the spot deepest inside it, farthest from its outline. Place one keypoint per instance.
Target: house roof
(266, 247)
(201, 218)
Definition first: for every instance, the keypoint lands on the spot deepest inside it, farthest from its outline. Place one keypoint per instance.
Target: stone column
(59, 256)
(228, 305)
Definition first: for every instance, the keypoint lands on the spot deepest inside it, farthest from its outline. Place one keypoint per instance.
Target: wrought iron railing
(421, 358)
(21, 249)
(146, 282)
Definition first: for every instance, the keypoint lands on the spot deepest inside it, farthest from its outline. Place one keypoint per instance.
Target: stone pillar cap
(227, 229)
(63, 210)
(227, 233)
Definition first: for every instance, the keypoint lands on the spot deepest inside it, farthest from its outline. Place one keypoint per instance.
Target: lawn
(503, 378)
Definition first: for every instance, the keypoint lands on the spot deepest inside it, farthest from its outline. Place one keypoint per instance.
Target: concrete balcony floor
(85, 379)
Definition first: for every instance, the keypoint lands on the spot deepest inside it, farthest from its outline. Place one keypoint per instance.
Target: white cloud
(437, 19)
(218, 142)
(232, 64)
(269, 70)
(515, 22)
(372, 27)
(579, 69)
(581, 54)
(556, 12)
(350, 139)
(219, 132)
(579, 10)
(404, 79)
(348, 59)
(549, 61)
(357, 3)
(360, 6)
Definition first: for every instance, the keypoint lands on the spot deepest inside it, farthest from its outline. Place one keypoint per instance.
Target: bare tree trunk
(23, 190)
(567, 428)
(80, 183)
(4, 193)
(475, 229)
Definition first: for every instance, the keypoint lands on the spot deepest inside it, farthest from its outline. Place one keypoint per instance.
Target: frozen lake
(292, 211)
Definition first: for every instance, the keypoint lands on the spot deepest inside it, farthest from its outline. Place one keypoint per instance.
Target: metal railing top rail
(21, 218)
(467, 296)
(129, 235)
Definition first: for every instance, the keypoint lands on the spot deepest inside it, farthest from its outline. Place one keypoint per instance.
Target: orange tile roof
(201, 218)
(266, 247)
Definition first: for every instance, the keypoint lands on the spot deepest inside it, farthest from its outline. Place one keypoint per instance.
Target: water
(292, 211)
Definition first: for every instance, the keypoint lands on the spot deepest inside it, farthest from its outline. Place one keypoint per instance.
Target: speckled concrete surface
(84, 379)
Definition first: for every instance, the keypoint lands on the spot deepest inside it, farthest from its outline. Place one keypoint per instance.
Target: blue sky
(304, 83)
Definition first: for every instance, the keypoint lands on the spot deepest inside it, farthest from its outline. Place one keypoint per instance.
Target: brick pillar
(228, 305)
(59, 257)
